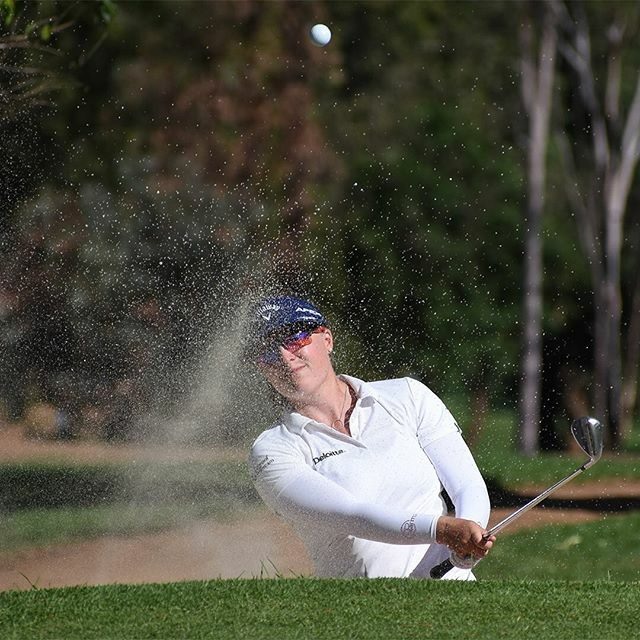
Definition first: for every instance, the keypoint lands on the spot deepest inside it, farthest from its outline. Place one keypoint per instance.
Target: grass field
(331, 609)
(580, 580)
(498, 459)
(44, 503)
(605, 549)
(42, 527)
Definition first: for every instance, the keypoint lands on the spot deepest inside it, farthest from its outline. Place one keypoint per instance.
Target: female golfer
(358, 468)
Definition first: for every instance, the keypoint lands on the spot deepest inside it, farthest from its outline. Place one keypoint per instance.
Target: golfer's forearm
(337, 511)
(473, 504)
(389, 525)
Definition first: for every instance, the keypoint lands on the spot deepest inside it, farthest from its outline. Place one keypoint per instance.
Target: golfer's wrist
(442, 529)
(420, 528)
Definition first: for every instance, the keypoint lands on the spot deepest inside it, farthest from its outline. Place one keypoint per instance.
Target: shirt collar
(296, 422)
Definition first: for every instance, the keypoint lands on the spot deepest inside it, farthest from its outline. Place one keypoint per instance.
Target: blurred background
(454, 183)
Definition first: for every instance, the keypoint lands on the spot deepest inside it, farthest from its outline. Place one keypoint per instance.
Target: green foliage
(7, 11)
(335, 609)
(425, 238)
(178, 145)
(108, 10)
(42, 44)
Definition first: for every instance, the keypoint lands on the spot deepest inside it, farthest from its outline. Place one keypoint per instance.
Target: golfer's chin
(298, 388)
(287, 384)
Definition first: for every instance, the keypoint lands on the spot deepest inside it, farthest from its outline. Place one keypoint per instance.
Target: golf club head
(588, 434)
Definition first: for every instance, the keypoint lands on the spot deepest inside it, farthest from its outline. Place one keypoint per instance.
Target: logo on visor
(307, 310)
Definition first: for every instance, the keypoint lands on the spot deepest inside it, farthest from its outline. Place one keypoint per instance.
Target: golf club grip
(440, 569)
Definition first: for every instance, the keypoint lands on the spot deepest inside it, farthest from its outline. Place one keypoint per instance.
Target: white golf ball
(320, 35)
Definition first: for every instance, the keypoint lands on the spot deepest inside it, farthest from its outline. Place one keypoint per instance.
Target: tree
(599, 188)
(37, 41)
(171, 171)
(424, 261)
(537, 75)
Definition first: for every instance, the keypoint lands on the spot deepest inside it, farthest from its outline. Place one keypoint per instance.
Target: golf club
(587, 432)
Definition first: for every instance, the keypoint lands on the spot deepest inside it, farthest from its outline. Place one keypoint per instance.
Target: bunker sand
(260, 546)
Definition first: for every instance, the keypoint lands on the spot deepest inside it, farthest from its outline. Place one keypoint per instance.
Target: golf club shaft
(588, 434)
(439, 570)
(532, 503)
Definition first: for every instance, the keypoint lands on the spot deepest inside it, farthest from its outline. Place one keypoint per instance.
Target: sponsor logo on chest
(327, 454)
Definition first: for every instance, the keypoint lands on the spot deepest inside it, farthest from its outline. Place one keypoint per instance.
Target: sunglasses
(270, 352)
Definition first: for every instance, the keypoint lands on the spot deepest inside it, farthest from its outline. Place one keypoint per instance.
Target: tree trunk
(600, 340)
(613, 314)
(537, 84)
(612, 173)
(632, 351)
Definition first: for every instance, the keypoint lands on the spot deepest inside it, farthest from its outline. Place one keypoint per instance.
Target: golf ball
(320, 35)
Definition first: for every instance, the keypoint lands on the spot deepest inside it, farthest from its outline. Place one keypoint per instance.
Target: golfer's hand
(463, 537)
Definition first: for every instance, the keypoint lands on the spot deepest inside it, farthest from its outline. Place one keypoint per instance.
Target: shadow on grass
(502, 497)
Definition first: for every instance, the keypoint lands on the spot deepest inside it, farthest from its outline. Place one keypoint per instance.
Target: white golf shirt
(367, 505)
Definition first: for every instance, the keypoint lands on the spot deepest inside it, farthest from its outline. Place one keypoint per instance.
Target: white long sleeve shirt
(367, 505)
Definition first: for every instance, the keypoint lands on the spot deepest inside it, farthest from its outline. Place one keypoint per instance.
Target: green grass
(51, 502)
(59, 484)
(331, 609)
(582, 579)
(606, 549)
(496, 455)
(47, 503)
(41, 527)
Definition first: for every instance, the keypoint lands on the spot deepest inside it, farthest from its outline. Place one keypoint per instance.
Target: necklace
(339, 423)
